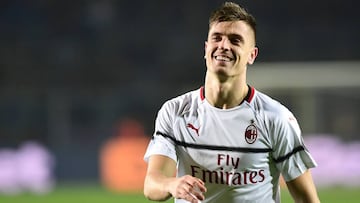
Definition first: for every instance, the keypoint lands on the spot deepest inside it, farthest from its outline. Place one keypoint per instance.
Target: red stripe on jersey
(202, 93)
(251, 95)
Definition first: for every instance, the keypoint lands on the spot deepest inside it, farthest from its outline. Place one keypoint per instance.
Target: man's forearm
(155, 187)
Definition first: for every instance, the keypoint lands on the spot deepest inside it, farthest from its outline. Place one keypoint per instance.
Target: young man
(227, 142)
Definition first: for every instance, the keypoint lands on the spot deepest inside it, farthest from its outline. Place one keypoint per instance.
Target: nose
(224, 44)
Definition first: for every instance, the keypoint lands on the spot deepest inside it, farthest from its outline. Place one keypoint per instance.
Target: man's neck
(225, 94)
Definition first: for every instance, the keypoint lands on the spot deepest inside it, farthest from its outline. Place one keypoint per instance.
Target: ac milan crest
(251, 134)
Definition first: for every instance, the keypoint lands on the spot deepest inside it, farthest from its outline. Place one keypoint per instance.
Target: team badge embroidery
(251, 134)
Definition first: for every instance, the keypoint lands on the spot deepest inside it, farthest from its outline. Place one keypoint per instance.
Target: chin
(222, 73)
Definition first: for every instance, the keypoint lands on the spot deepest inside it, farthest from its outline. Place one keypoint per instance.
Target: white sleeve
(289, 152)
(159, 144)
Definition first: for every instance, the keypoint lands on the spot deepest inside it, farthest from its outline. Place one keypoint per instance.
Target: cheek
(244, 57)
(241, 57)
(208, 50)
(208, 60)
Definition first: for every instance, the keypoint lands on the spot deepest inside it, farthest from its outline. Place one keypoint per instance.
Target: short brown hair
(230, 11)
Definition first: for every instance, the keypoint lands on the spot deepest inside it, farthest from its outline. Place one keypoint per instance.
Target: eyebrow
(236, 36)
(216, 34)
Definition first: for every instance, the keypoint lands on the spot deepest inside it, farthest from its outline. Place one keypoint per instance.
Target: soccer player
(226, 141)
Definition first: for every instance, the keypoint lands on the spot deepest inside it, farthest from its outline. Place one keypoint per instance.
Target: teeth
(222, 58)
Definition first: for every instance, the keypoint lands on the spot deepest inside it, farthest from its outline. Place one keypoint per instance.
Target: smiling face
(229, 48)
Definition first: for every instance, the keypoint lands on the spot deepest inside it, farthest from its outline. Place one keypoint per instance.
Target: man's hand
(188, 188)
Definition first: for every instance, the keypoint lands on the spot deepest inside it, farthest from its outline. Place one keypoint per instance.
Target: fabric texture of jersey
(239, 153)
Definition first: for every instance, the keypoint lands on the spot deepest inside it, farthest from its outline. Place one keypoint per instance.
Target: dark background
(71, 70)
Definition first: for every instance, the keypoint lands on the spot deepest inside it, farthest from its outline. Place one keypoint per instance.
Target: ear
(253, 55)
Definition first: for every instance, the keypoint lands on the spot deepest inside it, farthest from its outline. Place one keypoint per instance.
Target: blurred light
(27, 169)
(338, 161)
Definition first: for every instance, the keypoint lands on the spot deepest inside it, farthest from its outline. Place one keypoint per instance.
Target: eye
(216, 38)
(235, 41)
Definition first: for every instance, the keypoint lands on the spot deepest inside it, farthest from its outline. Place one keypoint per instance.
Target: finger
(197, 192)
(192, 198)
(200, 187)
(198, 181)
(198, 195)
(194, 188)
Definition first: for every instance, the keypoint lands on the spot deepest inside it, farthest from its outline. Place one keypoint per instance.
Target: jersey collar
(248, 97)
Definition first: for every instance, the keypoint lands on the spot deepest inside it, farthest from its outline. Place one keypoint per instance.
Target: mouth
(223, 58)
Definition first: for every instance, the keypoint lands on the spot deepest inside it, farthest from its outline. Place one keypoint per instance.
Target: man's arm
(160, 171)
(161, 183)
(302, 189)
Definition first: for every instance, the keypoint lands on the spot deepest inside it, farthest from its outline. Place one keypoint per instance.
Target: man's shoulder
(185, 97)
(184, 101)
(270, 106)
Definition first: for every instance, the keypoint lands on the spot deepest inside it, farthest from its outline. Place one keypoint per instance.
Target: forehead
(231, 27)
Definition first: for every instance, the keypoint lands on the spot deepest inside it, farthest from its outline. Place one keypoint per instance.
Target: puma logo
(189, 125)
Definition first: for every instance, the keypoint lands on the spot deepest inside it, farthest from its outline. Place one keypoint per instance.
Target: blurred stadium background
(81, 82)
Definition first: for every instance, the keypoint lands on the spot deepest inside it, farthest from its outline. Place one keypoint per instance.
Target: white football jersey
(239, 153)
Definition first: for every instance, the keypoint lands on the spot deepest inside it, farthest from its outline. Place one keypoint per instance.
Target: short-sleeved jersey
(239, 153)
